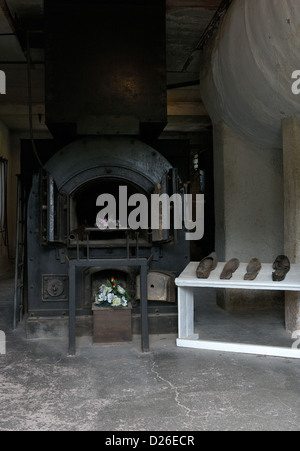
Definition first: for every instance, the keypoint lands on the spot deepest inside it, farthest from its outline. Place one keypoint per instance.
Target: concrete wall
(249, 208)
(10, 148)
(246, 80)
(249, 198)
(291, 166)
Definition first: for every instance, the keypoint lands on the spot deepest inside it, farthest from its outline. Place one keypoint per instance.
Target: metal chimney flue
(105, 67)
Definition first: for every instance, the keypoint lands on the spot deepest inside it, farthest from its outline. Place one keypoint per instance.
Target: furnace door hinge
(53, 212)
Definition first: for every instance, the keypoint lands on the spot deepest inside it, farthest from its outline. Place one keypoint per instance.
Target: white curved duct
(248, 83)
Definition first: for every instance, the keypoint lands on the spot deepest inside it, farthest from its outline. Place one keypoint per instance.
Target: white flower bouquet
(107, 223)
(111, 295)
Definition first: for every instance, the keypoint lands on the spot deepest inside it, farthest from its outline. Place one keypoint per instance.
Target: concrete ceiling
(186, 22)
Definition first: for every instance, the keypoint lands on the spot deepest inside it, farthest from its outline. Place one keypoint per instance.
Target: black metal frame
(81, 238)
(142, 263)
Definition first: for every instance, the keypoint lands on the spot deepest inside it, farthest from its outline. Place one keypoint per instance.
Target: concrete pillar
(291, 165)
(249, 210)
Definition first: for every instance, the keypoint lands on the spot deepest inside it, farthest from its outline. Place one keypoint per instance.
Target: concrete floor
(118, 388)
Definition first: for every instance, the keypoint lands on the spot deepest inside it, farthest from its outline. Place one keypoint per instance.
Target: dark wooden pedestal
(141, 263)
(112, 325)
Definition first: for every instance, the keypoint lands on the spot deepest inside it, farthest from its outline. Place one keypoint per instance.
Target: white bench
(188, 281)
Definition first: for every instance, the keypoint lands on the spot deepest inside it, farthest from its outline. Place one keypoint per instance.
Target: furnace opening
(83, 209)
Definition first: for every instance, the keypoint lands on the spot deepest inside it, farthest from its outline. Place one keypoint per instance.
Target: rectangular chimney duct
(105, 67)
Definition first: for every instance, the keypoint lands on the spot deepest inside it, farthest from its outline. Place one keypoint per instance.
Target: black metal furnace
(105, 103)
